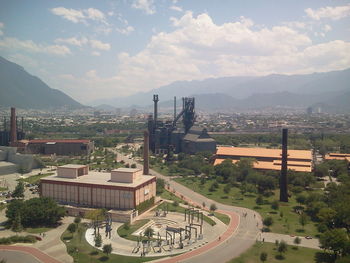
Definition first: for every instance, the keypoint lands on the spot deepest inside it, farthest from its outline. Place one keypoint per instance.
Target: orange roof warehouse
(267, 159)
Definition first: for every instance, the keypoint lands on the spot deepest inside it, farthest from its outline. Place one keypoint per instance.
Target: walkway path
(240, 236)
(42, 257)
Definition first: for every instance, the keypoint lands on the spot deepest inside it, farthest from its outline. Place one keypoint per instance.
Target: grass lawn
(287, 224)
(35, 178)
(127, 233)
(170, 196)
(3, 189)
(291, 256)
(83, 252)
(38, 230)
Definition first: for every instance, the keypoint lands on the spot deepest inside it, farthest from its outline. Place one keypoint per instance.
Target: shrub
(259, 200)
(77, 220)
(268, 221)
(72, 227)
(275, 205)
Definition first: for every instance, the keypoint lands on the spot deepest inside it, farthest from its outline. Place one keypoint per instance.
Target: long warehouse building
(267, 159)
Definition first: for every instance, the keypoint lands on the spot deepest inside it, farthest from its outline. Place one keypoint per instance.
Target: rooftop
(73, 166)
(60, 141)
(99, 178)
(126, 170)
(275, 165)
(263, 152)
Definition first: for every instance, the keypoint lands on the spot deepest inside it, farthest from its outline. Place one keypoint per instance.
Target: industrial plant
(168, 137)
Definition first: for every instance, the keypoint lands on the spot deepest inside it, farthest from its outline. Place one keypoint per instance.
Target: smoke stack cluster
(13, 131)
(283, 177)
(146, 153)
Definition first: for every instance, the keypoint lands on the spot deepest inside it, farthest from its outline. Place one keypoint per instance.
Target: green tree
(149, 232)
(303, 219)
(72, 227)
(268, 221)
(275, 205)
(263, 256)
(335, 240)
(213, 207)
(259, 200)
(77, 219)
(160, 186)
(227, 188)
(17, 223)
(297, 240)
(19, 190)
(107, 249)
(282, 247)
(98, 240)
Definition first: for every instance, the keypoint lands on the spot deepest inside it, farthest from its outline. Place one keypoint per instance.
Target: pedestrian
(219, 238)
(263, 239)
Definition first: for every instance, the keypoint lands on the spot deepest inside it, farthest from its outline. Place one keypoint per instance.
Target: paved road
(17, 256)
(242, 239)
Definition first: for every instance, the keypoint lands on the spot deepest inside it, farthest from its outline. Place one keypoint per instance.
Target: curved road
(242, 238)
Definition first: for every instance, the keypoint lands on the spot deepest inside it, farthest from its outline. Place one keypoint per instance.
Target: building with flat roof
(337, 156)
(123, 189)
(59, 147)
(267, 159)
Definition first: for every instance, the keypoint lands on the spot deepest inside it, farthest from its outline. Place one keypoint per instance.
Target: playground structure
(170, 234)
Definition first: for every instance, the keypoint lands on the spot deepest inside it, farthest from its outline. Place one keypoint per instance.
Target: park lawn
(83, 252)
(3, 189)
(38, 230)
(35, 178)
(127, 233)
(170, 196)
(287, 224)
(292, 255)
(223, 218)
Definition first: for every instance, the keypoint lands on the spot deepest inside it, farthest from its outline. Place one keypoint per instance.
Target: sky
(107, 49)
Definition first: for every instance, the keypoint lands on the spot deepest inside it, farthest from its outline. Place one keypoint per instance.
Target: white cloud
(145, 5)
(80, 42)
(99, 45)
(80, 16)
(1, 28)
(198, 48)
(334, 13)
(95, 53)
(126, 31)
(327, 28)
(73, 41)
(72, 15)
(30, 46)
(95, 14)
(176, 8)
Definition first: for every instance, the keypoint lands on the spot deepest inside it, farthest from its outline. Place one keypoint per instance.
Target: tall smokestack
(174, 108)
(283, 177)
(5, 124)
(22, 122)
(155, 100)
(146, 152)
(13, 131)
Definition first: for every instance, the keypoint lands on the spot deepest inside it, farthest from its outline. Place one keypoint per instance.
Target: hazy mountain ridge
(20, 89)
(250, 92)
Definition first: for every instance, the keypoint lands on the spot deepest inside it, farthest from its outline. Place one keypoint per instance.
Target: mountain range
(20, 89)
(329, 90)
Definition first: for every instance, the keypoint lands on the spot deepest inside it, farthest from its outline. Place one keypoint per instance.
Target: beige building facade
(122, 189)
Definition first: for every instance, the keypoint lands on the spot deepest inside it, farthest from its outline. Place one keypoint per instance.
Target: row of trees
(35, 212)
